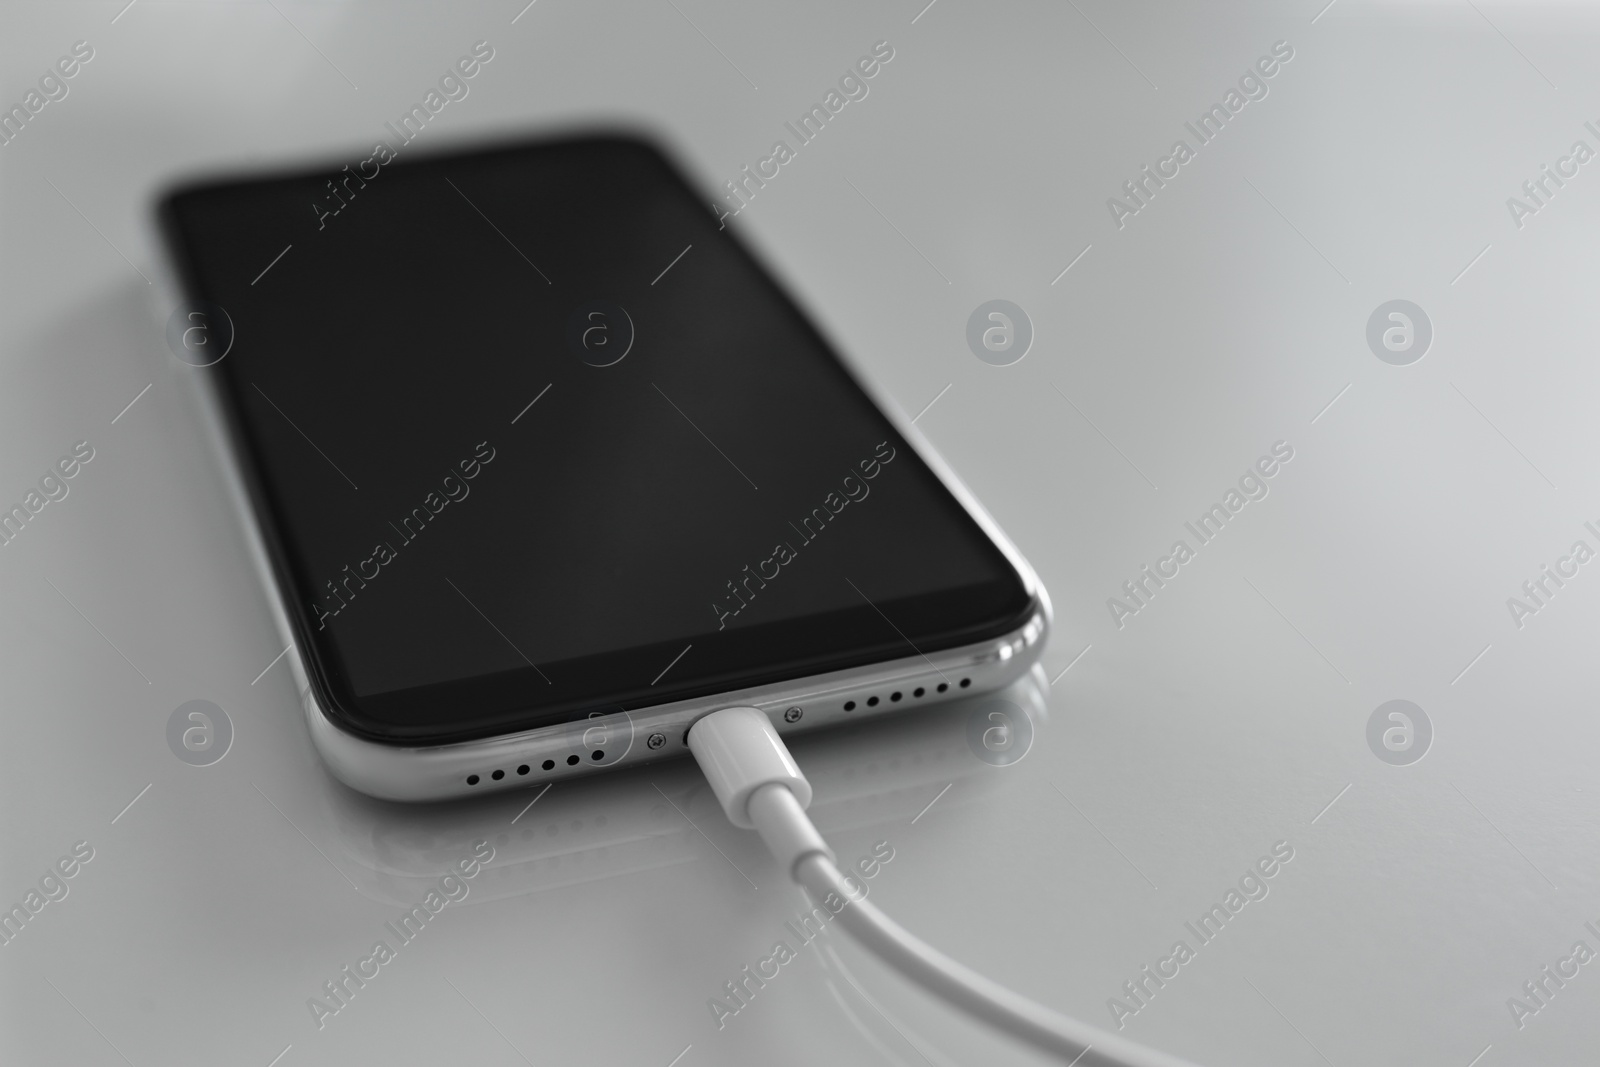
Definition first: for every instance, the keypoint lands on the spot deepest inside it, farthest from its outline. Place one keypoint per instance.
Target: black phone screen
(531, 435)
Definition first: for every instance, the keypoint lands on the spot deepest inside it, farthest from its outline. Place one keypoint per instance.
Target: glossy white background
(1225, 717)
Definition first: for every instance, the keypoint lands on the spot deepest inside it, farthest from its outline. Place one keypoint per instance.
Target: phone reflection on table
(881, 772)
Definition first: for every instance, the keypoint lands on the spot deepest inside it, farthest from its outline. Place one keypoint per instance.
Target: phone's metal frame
(635, 736)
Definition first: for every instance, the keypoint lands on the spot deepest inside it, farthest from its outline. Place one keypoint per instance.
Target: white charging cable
(761, 788)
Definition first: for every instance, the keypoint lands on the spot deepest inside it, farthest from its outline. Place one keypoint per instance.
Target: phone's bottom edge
(632, 738)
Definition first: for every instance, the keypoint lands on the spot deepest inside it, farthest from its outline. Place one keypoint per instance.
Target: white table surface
(1178, 749)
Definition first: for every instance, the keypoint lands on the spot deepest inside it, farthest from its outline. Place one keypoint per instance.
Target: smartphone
(542, 464)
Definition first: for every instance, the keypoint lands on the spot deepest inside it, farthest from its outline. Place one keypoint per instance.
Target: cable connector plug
(757, 782)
